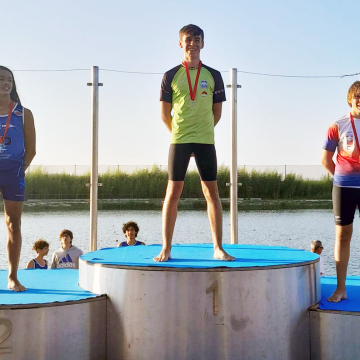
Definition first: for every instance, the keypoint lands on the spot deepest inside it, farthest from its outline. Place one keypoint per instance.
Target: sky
(281, 120)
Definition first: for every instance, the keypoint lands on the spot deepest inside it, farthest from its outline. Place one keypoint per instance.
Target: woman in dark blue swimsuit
(42, 249)
(17, 149)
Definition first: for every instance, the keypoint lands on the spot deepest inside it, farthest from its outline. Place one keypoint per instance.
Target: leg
(342, 254)
(12, 212)
(344, 207)
(214, 212)
(169, 214)
(179, 157)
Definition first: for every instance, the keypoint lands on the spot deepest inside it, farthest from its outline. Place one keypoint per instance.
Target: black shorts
(345, 201)
(205, 158)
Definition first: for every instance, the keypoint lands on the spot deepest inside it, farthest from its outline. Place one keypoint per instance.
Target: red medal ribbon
(355, 133)
(2, 138)
(192, 91)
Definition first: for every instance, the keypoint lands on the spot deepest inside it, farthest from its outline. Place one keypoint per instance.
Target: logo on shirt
(18, 113)
(203, 84)
(349, 141)
(219, 91)
(204, 93)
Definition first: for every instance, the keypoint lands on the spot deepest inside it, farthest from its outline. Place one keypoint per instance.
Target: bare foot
(15, 285)
(337, 296)
(163, 256)
(222, 255)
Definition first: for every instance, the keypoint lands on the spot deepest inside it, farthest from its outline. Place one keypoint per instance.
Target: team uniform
(137, 243)
(192, 126)
(12, 151)
(346, 185)
(38, 266)
(66, 259)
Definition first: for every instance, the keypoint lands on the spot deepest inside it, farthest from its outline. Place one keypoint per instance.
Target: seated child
(130, 229)
(68, 255)
(42, 248)
(317, 248)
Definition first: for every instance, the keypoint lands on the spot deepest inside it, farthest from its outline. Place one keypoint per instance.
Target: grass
(151, 184)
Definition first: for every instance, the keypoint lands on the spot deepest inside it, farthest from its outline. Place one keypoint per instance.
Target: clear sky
(280, 120)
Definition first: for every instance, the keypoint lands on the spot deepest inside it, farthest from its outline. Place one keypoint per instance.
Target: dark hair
(132, 224)
(353, 90)
(13, 95)
(40, 244)
(66, 232)
(191, 30)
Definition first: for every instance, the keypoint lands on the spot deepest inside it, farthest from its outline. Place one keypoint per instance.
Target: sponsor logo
(349, 141)
(219, 91)
(203, 84)
(65, 265)
(18, 113)
(204, 93)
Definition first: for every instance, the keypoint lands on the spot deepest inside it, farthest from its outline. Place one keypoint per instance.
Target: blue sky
(280, 120)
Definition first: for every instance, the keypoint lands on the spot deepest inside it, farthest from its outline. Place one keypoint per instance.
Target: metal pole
(94, 156)
(233, 159)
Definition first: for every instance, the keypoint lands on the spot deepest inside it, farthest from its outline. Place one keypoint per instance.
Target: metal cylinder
(334, 335)
(220, 313)
(94, 157)
(72, 330)
(233, 160)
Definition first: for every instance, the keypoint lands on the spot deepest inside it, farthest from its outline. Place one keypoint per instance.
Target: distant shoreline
(184, 204)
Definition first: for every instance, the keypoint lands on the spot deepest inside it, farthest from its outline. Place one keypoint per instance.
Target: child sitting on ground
(130, 229)
(317, 248)
(42, 248)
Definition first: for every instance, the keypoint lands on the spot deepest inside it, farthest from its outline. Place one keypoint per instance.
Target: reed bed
(151, 184)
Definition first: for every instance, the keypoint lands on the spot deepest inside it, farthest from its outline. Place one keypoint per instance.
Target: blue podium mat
(351, 304)
(200, 256)
(43, 286)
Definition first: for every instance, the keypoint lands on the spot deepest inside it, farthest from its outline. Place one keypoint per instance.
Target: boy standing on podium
(191, 102)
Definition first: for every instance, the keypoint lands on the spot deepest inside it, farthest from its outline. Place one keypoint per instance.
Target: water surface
(293, 228)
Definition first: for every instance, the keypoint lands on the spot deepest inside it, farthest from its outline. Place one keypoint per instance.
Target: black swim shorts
(205, 158)
(345, 201)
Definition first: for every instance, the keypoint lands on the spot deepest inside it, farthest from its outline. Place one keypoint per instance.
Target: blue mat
(328, 286)
(43, 286)
(198, 256)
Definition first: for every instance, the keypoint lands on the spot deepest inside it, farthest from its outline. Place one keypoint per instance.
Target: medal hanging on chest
(2, 138)
(192, 104)
(355, 135)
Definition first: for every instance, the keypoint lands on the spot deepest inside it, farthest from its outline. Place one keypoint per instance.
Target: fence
(314, 172)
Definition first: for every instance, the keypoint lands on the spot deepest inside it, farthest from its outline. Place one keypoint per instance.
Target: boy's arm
(217, 108)
(53, 261)
(165, 113)
(327, 161)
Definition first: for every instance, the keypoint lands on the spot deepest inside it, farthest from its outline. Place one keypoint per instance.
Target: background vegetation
(151, 184)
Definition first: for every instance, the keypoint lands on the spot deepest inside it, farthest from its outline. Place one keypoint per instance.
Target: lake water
(296, 229)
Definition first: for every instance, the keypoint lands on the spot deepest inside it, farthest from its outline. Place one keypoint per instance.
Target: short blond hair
(353, 90)
(316, 245)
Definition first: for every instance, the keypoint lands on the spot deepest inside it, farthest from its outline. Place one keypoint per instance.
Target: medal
(2, 138)
(191, 90)
(192, 105)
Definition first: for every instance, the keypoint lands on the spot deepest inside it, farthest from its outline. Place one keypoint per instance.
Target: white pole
(94, 156)
(233, 159)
